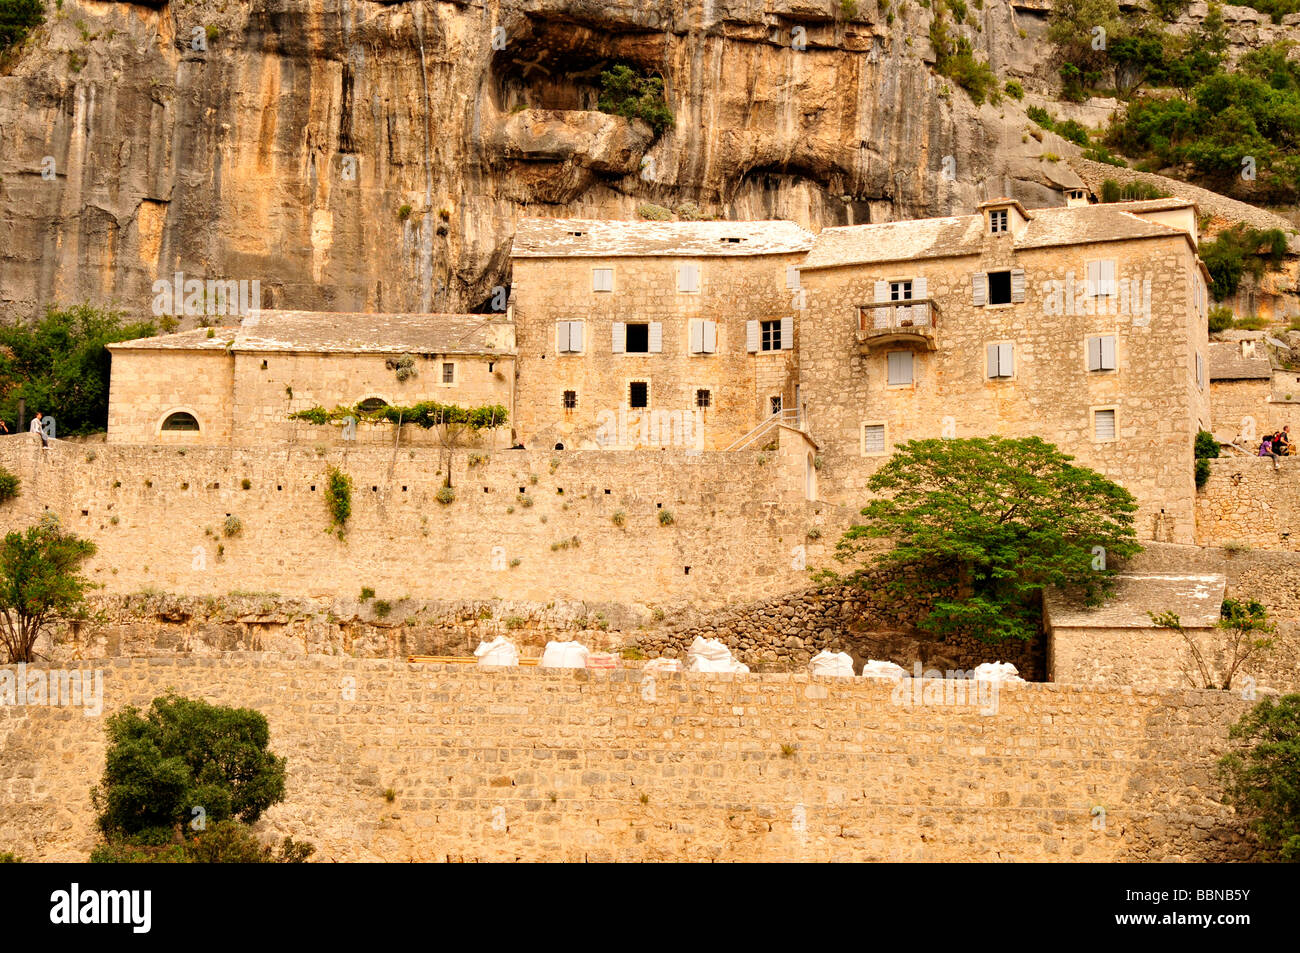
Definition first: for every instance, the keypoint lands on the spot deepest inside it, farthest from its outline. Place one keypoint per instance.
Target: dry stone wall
(528, 764)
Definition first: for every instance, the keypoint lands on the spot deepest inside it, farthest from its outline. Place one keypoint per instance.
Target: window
(638, 339)
(372, 404)
(873, 438)
(448, 373)
(638, 395)
(1103, 424)
(731, 241)
(792, 277)
(999, 287)
(900, 291)
(1001, 360)
(602, 279)
(771, 331)
(774, 405)
(688, 278)
(769, 335)
(704, 337)
(568, 337)
(703, 398)
(899, 366)
(997, 221)
(180, 421)
(1200, 371)
(570, 400)
(1101, 353)
(1101, 278)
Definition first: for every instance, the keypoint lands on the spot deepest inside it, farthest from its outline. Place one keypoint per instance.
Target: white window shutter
(899, 367)
(920, 288)
(562, 336)
(882, 291)
(656, 337)
(697, 337)
(602, 279)
(710, 329)
(979, 289)
(620, 337)
(1104, 425)
(1200, 370)
(575, 335)
(1017, 285)
(787, 333)
(1107, 277)
(1094, 278)
(992, 354)
(752, 332)
(688, 277)
(792, 277)
(1108, 352)
(1006, 360)
(1094, 354)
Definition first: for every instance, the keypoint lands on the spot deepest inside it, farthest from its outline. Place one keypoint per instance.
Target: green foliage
(1112, 191)
(424, 415)
(40, 581)
(624, 92)
(367, 593)
(8, 485)
(1220, 319)
(981, 526)
(233, 526)
(404, 212)
(7, 857)
(182, 754)
(619, 518)
(1201, 472)
(849, 8)
(1238, 250)
(225, 842)
(17, 19)
(445, 495)
(955, 59)
(338, 498)
(1262, 778)
(654, 213)
(60, 365)
(666, 518)
(1276, 9)
(383, 608)
(1205, 447)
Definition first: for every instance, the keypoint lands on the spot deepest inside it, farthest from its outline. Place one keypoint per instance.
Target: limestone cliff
(356, 155)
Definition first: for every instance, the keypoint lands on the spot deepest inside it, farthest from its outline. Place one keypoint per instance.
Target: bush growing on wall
(8, 485)
(338, 499)
(624, 92)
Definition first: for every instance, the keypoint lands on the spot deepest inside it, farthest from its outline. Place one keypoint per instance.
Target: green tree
(181, 755)
(40, 581)
(980, 526)
(1262, 778)
(225, 842)
(60, 365)
(624, 92)
(17, 19)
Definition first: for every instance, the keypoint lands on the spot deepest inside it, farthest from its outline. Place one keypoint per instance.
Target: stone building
(635, 334)
(239, 385)
(1083, 325)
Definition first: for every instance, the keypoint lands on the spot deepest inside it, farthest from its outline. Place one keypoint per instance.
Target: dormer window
(577, 234)
(731, 241)
(997, 221)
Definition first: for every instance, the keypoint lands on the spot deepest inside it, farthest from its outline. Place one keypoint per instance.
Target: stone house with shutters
(655, 334)
(1084, 325)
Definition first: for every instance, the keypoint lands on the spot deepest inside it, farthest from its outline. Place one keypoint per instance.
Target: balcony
(913, 322)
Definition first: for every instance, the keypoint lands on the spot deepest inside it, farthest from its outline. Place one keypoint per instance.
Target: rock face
(355, 155)
(281, 139)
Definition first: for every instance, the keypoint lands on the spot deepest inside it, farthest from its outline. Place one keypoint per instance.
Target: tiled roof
(1196, 600)
(964, 234)
(324, 332)
(199, 339)
(1228, 364)
(583, 238)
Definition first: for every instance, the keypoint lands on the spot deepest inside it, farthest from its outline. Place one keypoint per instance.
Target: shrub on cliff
(59, 364)
(8, 485)
(17, 19)
(624, 92)
(995, 521)
(184, 763)
(1262, 778)
(40, 581)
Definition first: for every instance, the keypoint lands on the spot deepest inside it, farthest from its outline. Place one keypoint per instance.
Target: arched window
(371, 404)
(180, 421)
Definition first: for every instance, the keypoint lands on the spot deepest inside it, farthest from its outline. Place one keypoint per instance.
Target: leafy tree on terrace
(40, 580)
(1262, 779)
(980, 526)
(60, 365)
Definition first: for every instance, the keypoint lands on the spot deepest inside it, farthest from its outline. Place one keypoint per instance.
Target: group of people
(37, 427)
(1277, 445)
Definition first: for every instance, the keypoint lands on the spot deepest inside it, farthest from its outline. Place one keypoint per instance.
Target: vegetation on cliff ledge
(625, 92)
(981, 526)
(17, 19)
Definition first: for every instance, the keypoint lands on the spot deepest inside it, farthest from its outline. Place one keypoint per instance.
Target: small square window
(570, 400)
(774, 404)
(703, 398)
(998, 221)
(899, 367)
(900, 291)
(638, 339)
(449, 373)
(638, 395)
(771, 336)
(999, 287)
(873, 438)
(602, 279)
(1103, 423)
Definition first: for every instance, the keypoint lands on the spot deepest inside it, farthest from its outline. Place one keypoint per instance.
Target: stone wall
(529, 526)
(1247, 502)
(733, 290)
(1052, 394)
(528, 764)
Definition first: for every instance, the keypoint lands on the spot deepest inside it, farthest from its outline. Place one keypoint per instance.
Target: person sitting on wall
(1282, 442)
(1266, 449)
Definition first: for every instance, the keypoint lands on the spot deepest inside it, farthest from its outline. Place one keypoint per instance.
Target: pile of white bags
(500, 651)
(564, 655)
(827, 662)
(658, 666)
(873, 668)
(996, 672)
(710, 655)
